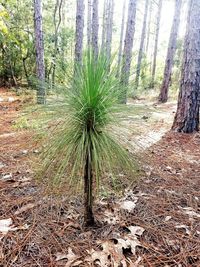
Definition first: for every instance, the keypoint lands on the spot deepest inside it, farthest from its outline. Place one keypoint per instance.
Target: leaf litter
(159, 225)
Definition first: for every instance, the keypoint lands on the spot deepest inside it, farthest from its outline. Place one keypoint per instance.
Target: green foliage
(17, 48)
(86, 126)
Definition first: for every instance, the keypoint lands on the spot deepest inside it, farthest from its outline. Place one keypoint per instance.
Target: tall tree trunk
(56, 28)
(163, 97)
(149, 27)
(89, 23)
(121, 39)
(141, 49)
(104, 25)
(109, 28)
(79, 31)
(156, 41)
(95, 28)
(63, 25)
(39, 45)
(128, 46)
(187, 115)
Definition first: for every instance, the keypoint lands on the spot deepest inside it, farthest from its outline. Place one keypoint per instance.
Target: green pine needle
(86, 115)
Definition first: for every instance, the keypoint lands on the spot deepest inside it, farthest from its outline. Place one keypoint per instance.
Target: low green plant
(83, 145)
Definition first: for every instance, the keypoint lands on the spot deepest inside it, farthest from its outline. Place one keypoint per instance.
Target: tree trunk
(79, 31)
(121, 39)
(56, 27)
(128, 46)
(88, 186)
(156, 42)
(109, 29)
(148, 28)
(163, 97)
(141, 50)
(187, 115)
(95, 28)
(89, 20)
(39, 45)
(104, 25)
(25, 70)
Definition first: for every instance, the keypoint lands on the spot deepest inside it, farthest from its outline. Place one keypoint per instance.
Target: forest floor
(155, 223)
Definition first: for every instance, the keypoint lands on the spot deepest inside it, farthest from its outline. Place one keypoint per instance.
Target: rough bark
(95, 28)
(109, 28)
(187, 115)
(128, 46)
(121, 39)
(141, 49)
(156, 41)
(89, 23)
(79, 31)
(39, 46)
(163, 97)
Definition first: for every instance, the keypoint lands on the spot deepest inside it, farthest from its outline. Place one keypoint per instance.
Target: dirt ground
(155, 223)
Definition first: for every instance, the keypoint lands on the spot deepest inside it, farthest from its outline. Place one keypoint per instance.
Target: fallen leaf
(76, 263)
(6, 177)
(111, 217)
(189, 211)
(2, 165)
(11, 99)
(60, 256)
(99, 257)
(128, 243)
(185, 227)
(70, 256)
(25, 152)
(136, 230)
(167, 218)
(128, 205)
(5, 225)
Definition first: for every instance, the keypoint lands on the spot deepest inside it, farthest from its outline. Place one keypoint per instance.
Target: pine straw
(170, 184)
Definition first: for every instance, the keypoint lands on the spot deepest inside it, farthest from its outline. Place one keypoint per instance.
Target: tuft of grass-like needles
(85, 127)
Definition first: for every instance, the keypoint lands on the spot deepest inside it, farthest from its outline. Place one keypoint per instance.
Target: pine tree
(163, 97)
(128, 46)
(187, 115)
(156, 41)
(141, 49)
(109, 28)
(89, 23)
(95, 28)
(79, 31)
(39, 46)
(121, 39)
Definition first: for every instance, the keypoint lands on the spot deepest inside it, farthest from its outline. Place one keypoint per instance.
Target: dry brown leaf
(76, 263)
(136, 230)
(128, 243)
(6, 226)
(99, 257)
(70, 256)
(128, 205)
(60, 256)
